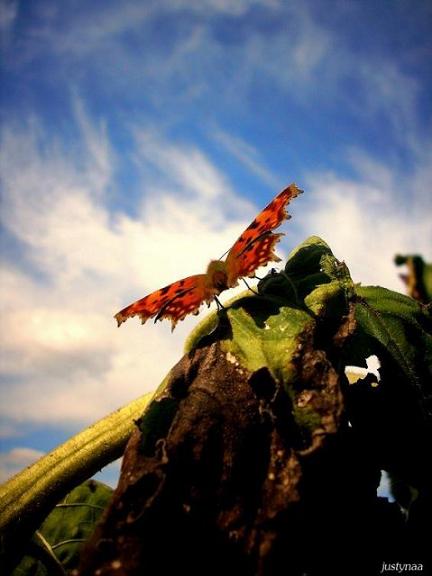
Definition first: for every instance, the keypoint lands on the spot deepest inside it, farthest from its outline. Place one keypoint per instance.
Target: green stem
(28, 497)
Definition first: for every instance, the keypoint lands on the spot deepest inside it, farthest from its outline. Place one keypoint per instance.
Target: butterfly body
(217, 277)
(254, 248)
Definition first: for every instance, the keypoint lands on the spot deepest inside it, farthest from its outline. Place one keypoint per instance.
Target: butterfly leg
(219, 304)
(249, 288)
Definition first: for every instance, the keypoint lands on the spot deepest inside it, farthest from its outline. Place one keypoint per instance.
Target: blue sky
(140, 138)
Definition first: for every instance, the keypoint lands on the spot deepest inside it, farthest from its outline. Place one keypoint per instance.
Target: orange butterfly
(253, 248)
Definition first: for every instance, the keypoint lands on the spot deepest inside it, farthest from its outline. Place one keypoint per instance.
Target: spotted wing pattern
(174, 302)
(257, 253)
(255, 247)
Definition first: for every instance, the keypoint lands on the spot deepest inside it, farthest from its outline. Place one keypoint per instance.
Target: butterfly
(254, 248)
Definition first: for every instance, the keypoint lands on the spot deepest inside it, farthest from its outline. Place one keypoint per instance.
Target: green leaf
(397, 325)
(312, 277)
(67, 527)
(307, 267)
(265, 334)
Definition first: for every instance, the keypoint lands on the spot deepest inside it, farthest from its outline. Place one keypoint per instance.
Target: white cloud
(369, 219)
(60, 347)
(15, 460)
(100, 159)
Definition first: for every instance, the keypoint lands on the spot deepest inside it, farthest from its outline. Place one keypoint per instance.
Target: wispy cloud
(390, 94)
(162, 53)
(117, 40)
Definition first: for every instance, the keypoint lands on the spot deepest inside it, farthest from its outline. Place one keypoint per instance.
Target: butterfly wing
(257, 253)
(174, 301)
(255, 247)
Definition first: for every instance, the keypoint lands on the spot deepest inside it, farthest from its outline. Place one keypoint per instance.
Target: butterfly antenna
(271, 272)
(224, 254)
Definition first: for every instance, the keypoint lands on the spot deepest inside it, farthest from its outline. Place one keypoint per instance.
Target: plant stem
(28, 497)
